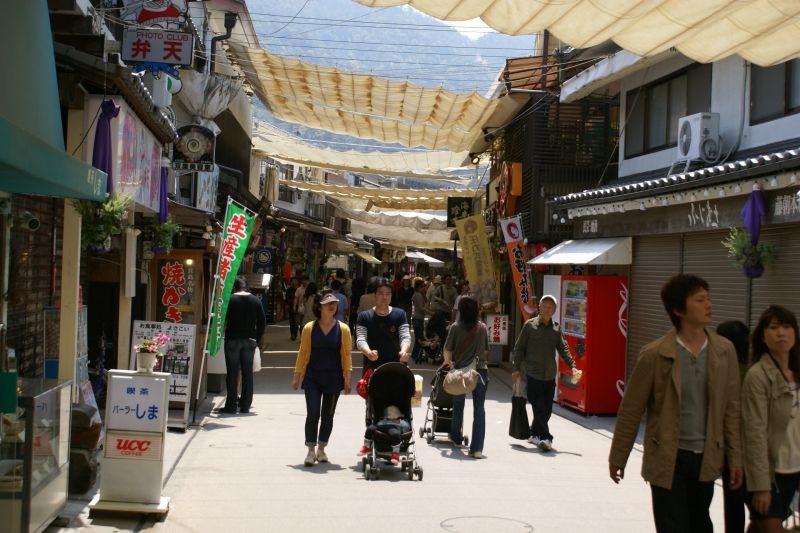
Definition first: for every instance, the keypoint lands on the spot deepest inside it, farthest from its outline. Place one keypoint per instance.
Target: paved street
(245, 473)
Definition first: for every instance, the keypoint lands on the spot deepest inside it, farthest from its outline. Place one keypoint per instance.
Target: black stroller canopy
(391, 384)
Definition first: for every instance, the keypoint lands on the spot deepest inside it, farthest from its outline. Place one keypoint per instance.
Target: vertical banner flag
(477, 258)
(518, 260)
(236, 235)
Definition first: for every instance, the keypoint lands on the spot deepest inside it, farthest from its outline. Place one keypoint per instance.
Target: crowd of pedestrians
(715, 404)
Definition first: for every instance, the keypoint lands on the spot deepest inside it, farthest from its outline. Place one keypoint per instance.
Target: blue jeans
(239, 355)
(478, 414)
(540, 394)
(320, 409)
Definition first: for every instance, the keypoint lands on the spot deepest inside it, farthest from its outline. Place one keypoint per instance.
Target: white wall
(729, 97)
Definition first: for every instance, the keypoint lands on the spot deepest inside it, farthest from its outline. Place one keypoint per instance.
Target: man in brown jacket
(687, 383)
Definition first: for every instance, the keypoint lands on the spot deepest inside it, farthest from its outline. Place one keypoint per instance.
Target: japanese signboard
(235, 237)
(518, 261)
(477, 257)
(175, 291)
(457, 208)
(130, 445)
(176, 354)
(146, 45)
(136, 402)
(497, 325)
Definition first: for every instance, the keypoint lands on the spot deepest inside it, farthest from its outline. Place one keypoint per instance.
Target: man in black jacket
(244, 325)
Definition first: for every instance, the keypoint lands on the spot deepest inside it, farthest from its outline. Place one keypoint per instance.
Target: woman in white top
(771, 422)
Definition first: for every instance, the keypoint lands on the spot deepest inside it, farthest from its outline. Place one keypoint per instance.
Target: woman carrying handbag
(467, 344)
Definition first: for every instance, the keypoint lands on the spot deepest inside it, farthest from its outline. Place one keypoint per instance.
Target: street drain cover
(480, 524)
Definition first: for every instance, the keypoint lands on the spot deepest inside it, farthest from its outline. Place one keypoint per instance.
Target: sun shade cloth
(399, 236)
(613, 251)
(370, 107)
(419, 256)
(272, 142)
(401, 199)
(406, 219)
(765, 32)
(366, 256)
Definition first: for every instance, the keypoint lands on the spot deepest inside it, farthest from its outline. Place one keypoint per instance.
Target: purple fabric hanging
(101, 154)
(752, 212)
(163, 203)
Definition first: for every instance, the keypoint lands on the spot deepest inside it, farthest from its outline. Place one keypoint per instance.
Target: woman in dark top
(323, 366)
(467, 341)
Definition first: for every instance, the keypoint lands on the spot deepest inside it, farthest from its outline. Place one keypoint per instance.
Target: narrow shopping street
(245, 473)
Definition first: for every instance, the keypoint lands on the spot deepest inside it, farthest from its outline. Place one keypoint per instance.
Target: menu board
(574, 300)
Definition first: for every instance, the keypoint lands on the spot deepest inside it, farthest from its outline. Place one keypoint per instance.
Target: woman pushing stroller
(467, 343)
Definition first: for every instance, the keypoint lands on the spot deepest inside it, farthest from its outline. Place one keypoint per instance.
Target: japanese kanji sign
(175, 291)
(518, 261)
(136, 402)
(176, 354)
(477, 258)
(236, 235)
(497, 326)
(157, 46)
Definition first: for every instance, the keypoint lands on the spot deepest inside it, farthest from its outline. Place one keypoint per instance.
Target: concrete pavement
(245, 473)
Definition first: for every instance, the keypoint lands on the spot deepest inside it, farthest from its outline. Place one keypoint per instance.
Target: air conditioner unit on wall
(698, 137)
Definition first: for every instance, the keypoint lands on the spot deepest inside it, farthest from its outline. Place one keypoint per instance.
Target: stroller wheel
(421, 432)
(429, 438)
(418, 471)
(366, 473)
(410, 473)
(375, 472)
(363, 464)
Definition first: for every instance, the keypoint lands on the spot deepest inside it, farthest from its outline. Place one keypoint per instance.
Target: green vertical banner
(235, 237)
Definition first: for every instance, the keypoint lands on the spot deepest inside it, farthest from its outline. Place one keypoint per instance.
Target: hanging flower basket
(100, 221)
(750, 258)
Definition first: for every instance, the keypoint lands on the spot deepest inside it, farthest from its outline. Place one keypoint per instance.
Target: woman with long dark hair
(468, 343)
(323, 367)
(309, 297)
(771, 425)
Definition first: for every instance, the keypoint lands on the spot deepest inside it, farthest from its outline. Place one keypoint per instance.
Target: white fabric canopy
(401, 199)
(206, 96)
(371, 107)
(419, 256)
(272, 142)
(611, 251)
(366, 256)
(405, 219)
(399, 236)
(765, 32)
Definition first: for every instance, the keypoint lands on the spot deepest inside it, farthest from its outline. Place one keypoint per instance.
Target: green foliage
(101, 220)
(163, 233)
(742, 251)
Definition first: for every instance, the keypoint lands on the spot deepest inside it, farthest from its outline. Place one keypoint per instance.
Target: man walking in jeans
(686, 383)
(244, 325)
(536, 346)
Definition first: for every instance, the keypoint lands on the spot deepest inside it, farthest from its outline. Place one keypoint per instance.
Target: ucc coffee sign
(125, 445)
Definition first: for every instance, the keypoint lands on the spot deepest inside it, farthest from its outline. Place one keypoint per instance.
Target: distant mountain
(397, 43)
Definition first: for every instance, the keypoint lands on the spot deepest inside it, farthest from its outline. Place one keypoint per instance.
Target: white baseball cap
(548, 297)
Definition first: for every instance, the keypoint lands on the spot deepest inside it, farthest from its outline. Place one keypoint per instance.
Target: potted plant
(162, 235)
(101, 220)
(147, 352)
(749, 257)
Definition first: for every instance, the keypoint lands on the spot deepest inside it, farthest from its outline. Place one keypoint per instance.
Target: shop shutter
(705, 256)
(778, 284)
(655, 259)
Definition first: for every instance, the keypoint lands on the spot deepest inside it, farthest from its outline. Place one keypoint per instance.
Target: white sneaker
(311, 458)
(322, 457)
(545, 445)
(476, 454)
(534, 440)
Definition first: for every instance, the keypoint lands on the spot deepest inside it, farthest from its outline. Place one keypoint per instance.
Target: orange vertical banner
(518, 260)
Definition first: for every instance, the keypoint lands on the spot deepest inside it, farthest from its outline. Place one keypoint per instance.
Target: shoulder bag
(460, 381)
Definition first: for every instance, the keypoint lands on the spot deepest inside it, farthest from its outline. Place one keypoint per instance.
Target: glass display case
(34, 456)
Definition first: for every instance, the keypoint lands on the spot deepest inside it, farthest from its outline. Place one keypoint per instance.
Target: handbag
(257, 359)
(518, 426)
(460, 381)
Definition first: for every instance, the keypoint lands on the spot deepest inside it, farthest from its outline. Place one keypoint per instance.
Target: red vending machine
(594, 312)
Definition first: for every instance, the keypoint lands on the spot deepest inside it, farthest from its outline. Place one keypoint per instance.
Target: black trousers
(540, 394)
(684, 507)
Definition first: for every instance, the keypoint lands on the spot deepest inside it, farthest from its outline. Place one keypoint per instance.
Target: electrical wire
(290, 20)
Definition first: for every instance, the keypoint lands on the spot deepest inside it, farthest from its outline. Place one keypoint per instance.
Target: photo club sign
(157, 46)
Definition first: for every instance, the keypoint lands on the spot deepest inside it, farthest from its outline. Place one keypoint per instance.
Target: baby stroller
(440, 410)
(391, 384)
(435, 335)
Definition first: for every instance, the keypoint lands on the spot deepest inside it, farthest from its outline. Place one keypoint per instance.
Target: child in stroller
(435, 334)
(439, 414)
(391, 386)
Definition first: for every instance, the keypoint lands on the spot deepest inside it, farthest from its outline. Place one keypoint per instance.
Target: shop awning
(611, 251)
(339, 246)
(764, 33)
(322, 230)
(425, 258)
(29, 165)
(366, 256)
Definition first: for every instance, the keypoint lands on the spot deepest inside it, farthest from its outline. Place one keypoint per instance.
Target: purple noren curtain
(752, 212)
(163, 203)
(101, 154)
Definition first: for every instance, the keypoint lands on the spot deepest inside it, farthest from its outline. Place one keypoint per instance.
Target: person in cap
(323, 367)
(539, 339)
(686, 384)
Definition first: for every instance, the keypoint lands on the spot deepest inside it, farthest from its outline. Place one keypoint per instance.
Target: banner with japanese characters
(176, 354)
(497, 326)
(518, 261)
(175, 291)
(477, 256)
(235, 237)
